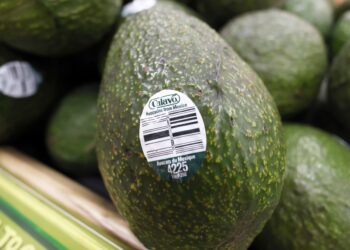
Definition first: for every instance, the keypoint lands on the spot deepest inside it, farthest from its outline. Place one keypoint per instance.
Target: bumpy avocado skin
(55, 28)
(71, 136)
(17, 115)
(287, 52)
(217, 12)
(339, 87)
(314, 211)
(238, 185)
(317, 12)
(341, 33)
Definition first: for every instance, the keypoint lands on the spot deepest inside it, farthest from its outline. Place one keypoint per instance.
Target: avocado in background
(287, 52)
(218, 12)
(225, 204)
(27, 91)
(341, 33)
(314, 211)
(339, 87)
(317, 12)
(55, 28)
(71, 135)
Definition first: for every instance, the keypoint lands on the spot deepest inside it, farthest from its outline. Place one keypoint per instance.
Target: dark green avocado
(314, 211)
(20, 110)
(71, 136)
(218, 12)
(55, 28)
(339, 87)
(225, 204)
(287, 52)
(320, 13)
(341, 33)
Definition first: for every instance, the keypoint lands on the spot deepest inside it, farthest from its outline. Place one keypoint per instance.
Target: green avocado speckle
(317, 12)
(54, 28)
(341, 33)
(314, 211)
(339, 87)
(287, 52)
(227, 202)
(71, 136)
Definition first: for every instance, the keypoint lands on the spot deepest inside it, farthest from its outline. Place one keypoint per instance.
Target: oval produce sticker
(172, 135)
(18, 79)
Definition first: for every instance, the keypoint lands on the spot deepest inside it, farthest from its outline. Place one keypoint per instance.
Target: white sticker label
(172, 135)
(137, 6)
(19, 79)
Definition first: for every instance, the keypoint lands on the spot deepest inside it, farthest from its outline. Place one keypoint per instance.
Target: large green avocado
(287, 52)
(317, 12)
(26, 93)
(71, 136)
(217, 12)
(225, 204)
(314, 211)
(341, 33)
(339, 87)
(55, 28)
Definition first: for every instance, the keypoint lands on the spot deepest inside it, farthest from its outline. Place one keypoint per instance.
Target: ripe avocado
(314, 211)
(341, 33)
(339, 87)
(287, 52)
(218, 12)
(235, 189)
(71, 136)
(317, 12)
(27, 91)
(55, 28)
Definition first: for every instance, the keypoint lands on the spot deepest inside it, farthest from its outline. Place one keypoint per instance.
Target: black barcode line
(178, 151)
(182, 117)
(184, 120)
(163, 149)
(154, 129)
(153, 155)
(188, 144)
(154, 136)
(180, 111)
(144, 124)
(186, 132)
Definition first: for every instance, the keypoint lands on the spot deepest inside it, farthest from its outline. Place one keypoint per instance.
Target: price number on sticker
(176, 168)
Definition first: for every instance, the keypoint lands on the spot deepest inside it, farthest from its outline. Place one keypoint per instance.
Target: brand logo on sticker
(164, 101)
(172, 135)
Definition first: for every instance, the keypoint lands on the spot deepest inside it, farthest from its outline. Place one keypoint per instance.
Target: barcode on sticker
(19, 79)
(172, 134)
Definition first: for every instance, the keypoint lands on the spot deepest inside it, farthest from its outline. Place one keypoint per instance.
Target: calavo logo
(164, 101)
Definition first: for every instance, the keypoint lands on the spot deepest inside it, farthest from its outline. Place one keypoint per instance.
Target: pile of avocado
(214, 124)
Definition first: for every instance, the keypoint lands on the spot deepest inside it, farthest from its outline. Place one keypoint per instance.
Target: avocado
(71, 135)
(287, 52)
(218, 12)
(341, 33)
(314, 211)
(55, 28)
(27, 91)
(339, 87)
(174, 66)
(317, 12)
